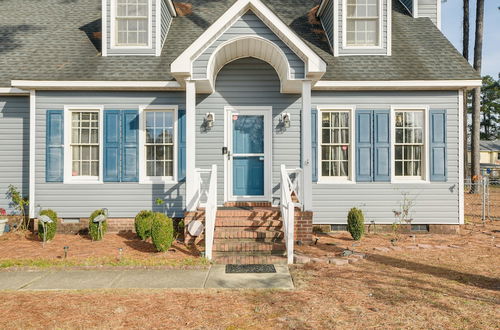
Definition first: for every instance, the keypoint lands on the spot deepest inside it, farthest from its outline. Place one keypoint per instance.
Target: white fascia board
(322, 7)
(13, 91)
(171, 8)
(396, 84)
(123, 85)
(181, 67)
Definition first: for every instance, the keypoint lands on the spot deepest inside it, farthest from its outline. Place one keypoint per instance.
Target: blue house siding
(435, 202)
(327, 21)
(249, 24)
(123, 199)
(248, 82)
(14, 146)
(166, 20)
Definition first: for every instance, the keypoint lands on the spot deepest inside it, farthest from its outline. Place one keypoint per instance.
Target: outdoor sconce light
(285, 120)
(209, 120)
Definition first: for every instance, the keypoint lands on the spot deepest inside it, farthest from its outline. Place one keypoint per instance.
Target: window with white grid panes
(335, 143)
(85, 143)
(362, 23)
(159, 143)
(132, 22)
(409, 143)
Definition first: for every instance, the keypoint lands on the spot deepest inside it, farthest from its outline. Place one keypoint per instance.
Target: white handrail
(287, 211)
(211, 213)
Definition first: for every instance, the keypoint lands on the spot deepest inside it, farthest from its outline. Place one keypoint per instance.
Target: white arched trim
(181, 67)
(251, 46)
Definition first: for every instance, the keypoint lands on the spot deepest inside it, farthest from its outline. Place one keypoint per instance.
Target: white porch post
(190, 146)
(32, 152)
(306, 145)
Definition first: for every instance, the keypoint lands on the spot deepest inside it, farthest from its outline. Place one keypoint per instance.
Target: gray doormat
(241, 269)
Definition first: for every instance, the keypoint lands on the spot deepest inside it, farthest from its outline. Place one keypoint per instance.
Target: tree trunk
(476, 110)
(465, 53)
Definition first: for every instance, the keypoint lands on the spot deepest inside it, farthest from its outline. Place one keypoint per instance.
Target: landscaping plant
(143, 222)
(50, 227)
(94, 232)
(162, 232)
(19, 203)
(356, 223)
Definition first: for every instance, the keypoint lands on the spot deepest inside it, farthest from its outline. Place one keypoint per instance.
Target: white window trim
(380, 24)
(68, 178)
(425, 178)
(113, 32)
(143, 178)
(351, 179)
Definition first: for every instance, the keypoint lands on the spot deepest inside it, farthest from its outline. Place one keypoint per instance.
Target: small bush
(162, 232)
(94, 232)
(50, 227)
(356, 223)
(143, 223)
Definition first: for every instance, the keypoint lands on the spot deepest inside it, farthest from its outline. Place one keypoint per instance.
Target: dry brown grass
(416, 289)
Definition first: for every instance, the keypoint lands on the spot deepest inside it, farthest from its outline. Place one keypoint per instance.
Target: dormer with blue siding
(135, 27)
(363, 27)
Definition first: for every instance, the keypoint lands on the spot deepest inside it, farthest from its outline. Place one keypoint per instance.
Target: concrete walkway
(213, 277)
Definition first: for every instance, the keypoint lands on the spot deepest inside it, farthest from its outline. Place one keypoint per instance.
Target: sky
(452, 15)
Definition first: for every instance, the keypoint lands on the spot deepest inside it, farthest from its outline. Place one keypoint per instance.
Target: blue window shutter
(129, 147)
(112, 139)
(381, 146)
(314, 143)
(438, 145)
(181, 145)
(364, 146)
(54, 143)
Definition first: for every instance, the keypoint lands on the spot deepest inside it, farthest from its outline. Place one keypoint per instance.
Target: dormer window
(362, 23)
(132, 23)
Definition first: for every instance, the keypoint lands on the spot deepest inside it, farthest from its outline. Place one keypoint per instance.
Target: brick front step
(249, 260)
(248, 246)
(245, 223)
(257, 233)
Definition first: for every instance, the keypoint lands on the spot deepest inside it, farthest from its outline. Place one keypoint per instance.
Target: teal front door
(247, 159)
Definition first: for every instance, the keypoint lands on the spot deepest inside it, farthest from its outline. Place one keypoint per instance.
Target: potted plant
(3, 220)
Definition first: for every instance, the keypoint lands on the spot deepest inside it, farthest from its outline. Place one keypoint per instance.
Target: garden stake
(120, 250)
(66, 248)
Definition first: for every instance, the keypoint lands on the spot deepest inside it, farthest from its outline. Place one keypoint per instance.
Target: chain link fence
(482, 198)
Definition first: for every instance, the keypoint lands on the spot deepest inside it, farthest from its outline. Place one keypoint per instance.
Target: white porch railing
(295, 176)
(289, 188)
(210, 205)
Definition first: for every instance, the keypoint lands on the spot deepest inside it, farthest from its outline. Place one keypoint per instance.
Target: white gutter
(397, 85)
(96, 85)
(32, 152)
(13, 91)
(171, 8)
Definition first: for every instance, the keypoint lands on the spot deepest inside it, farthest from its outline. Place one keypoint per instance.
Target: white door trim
(268, 125)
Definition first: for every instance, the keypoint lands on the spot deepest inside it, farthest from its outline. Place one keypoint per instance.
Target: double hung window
(362, 23)
(335, 143)
(409, 143)
(132, 22)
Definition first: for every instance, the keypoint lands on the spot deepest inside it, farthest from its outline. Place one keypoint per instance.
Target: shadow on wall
(172, 201)
(13, 109)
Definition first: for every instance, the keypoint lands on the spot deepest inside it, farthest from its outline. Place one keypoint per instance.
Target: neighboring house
(116, 103)
(489, 152)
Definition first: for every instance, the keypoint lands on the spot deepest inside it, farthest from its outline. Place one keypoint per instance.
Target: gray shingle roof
(484, 145)
(56, 40)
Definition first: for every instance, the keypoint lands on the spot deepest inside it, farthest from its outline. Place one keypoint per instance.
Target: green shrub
(179, 228)
(143, 223)
(50, 228)
(356, 223)
(162, 232)
(94, 232)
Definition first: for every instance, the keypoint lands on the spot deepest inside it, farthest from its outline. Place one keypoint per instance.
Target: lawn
(411, 288)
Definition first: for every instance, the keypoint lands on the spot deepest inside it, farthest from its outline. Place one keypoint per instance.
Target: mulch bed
(27, 245)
